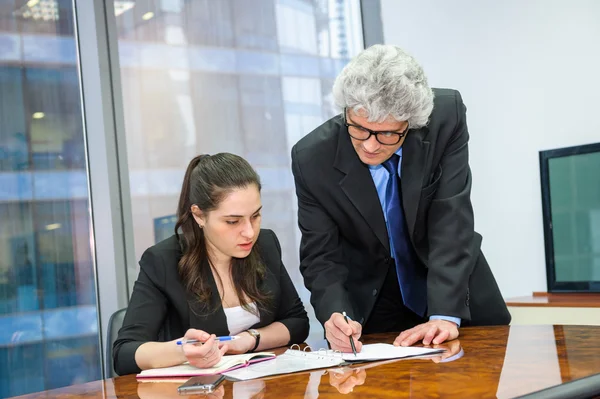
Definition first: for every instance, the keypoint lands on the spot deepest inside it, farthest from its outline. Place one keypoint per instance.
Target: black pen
(351, 340)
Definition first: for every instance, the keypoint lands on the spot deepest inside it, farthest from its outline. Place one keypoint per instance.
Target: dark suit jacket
(160, 308)
(345, 251)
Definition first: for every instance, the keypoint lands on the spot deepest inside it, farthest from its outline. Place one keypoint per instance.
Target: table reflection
(253, 389)
(345, 379)
(307, 384)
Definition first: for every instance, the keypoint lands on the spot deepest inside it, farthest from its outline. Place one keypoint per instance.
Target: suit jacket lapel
(358, 186)
(414, 155)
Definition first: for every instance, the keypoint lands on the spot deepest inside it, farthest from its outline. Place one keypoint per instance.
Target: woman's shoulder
(166, 251)
(269, 248)
(168, 246)
(268, 242)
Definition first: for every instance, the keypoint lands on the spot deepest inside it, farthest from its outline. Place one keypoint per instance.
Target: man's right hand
(338, 333)
(345, 381)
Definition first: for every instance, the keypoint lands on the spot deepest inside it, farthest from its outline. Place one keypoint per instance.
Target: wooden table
(488, 362)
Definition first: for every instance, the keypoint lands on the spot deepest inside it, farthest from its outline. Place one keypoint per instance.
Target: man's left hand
(434, 331)
(452, 349)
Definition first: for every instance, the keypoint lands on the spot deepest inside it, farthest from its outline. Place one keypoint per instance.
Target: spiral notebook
(230, 362)
(294, 360)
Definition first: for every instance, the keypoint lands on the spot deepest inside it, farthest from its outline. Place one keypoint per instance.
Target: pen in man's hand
(351, 339)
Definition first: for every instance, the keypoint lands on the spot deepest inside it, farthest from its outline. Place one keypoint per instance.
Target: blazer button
(387, 260)
(362, 320)
(375, 292)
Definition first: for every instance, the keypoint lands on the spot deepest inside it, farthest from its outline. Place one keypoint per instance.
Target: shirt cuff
(456, 320)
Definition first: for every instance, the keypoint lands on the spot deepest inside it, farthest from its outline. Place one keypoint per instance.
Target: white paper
(387, 351)
(293, 360)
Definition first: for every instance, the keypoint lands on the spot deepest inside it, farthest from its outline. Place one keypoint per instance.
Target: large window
(196, 76)
(48, 319)
(248, 77)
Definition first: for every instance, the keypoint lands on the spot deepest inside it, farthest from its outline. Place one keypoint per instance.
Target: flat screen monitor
(570, 179)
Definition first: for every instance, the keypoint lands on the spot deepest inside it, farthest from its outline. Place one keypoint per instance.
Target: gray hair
(384, 81)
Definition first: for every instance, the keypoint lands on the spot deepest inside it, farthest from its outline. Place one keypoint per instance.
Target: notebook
(227, 363)
(294, 360)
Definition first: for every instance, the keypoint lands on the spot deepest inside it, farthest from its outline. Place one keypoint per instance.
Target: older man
(385, 210)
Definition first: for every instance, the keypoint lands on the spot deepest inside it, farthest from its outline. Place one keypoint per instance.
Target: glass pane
(48, 319)
(575, 202)
(248, 77)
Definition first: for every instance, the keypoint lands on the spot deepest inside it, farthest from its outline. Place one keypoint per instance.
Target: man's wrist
(455, 320)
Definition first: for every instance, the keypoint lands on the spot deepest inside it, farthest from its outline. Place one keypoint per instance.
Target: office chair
(114, 325)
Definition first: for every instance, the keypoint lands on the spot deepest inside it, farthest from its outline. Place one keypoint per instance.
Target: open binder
(294, 360)
(291, 361)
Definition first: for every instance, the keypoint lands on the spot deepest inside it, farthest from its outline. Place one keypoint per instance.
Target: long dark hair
(208, 180)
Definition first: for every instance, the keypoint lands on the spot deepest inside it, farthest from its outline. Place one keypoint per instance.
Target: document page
(387, 351)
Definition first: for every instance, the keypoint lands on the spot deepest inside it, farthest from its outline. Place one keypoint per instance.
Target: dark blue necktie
(412, 280)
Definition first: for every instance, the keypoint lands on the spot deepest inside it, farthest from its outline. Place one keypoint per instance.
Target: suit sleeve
(144, 317)
(452, 253)
(290, 312)
(321, 262)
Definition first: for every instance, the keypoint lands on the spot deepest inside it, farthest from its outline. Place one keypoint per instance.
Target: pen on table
(195, 341)
(351, 340)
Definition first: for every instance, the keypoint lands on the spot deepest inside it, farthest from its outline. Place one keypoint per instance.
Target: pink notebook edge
(195, 374)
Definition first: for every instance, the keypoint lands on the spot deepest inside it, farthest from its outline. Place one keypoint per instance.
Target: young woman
(219, 275)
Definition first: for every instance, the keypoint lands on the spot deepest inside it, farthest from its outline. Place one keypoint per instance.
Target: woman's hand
(205, 354)
(242, 345)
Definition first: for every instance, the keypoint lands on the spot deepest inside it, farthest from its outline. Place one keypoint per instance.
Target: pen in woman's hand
(351, 339)
(195, 341)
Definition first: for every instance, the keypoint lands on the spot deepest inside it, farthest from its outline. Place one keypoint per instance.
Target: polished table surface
(485, 362)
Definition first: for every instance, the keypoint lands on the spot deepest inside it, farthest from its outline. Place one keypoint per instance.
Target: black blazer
(345, 251)
(160, 308)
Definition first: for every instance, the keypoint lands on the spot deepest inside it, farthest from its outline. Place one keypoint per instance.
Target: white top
(239, 319)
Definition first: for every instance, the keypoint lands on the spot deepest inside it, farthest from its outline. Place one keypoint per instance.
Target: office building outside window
(48, 317)
(247, 77)
(196, 76)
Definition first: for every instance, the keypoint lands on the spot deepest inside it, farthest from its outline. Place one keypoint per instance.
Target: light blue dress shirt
(380, 178)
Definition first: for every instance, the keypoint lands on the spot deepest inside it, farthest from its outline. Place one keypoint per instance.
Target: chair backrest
(114, 325)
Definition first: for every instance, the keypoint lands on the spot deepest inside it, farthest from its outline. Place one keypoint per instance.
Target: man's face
(371, 151)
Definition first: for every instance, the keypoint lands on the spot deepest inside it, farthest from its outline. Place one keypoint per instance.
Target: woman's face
(231, 230)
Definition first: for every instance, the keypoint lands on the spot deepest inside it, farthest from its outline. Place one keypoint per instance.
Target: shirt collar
(377, 167)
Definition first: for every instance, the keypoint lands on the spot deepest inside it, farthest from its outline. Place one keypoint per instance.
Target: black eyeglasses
(362, 133)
